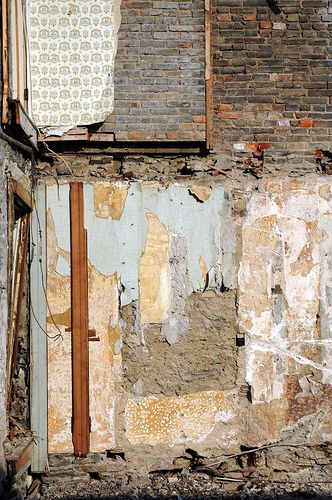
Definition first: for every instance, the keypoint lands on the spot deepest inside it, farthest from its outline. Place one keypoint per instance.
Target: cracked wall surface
(183, 360)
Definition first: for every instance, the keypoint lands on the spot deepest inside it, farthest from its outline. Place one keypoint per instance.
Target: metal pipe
(14, 142)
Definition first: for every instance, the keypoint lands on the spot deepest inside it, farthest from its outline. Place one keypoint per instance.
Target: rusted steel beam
(208, 74)
(79, 323)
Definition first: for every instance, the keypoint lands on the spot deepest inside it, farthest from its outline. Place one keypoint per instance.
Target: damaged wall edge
(38, 343)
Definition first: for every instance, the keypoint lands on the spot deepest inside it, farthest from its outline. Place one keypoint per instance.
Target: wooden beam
(208, 74)
(16, 305)
(79, 323)
(23, 194)
(38, 339)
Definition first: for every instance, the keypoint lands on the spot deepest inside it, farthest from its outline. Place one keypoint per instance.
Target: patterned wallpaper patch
(72, 61)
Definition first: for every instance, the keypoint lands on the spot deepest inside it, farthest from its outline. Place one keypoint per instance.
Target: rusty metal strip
(208, 74)
(4, 61)
(79, 323)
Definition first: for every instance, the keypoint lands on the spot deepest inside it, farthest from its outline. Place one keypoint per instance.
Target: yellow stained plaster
(109, 200)
(103, 316)
(59, 351)
(154, 273)
(104, 365)
(174, 420)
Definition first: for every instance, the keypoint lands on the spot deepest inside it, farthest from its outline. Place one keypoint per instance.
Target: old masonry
(165, 239)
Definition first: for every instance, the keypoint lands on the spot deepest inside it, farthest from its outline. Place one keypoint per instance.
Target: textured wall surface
(159, 85)
(182, 360)
(272, 88)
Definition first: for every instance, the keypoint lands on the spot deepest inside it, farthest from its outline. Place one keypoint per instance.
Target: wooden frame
(208, 74)
(79, 323)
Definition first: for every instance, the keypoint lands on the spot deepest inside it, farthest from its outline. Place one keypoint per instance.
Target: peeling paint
(109, 200)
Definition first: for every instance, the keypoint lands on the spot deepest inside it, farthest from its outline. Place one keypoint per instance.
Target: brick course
(272, 81)
(159, 72)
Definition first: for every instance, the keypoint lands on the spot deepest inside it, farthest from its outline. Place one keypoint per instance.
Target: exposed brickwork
(272, 82)
(159, 72)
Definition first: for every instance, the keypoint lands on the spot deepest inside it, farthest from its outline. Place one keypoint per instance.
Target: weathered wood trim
(208, 74)
(38, 339)
(79, 322)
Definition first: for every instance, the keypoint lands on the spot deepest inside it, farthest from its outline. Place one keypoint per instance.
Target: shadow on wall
(7, 492)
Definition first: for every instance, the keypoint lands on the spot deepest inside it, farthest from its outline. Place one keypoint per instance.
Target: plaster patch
(154, 273)
(173, 420)
(201, 193)
(109, 200)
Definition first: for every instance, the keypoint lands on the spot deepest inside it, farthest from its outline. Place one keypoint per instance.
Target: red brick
(199, 119)
(225, 107)
(185, 45)
(134, 136)
(224, 17)
(229, 115)
(265, 25)
(264, 145)
(133, 105)
(306, 122)
(249, 17)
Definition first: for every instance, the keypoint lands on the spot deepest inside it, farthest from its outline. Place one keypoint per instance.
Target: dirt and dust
(187, 487)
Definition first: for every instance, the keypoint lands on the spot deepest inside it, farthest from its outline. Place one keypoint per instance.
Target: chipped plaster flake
(109, 200)
(201, 193)
(174, 420)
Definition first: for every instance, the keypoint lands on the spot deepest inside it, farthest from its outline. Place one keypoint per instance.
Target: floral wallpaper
(72, 61)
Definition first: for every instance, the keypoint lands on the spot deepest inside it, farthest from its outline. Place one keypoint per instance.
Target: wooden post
(208, 75)
(79, 323)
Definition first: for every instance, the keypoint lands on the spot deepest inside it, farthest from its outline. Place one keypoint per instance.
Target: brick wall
(272, 84)
(159, 72)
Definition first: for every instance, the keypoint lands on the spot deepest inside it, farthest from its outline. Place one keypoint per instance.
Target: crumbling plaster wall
(12, 167)
(175, 373)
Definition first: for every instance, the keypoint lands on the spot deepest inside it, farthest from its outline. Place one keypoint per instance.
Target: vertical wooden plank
(5, 61)
(208, 74)
(16, 305)
(38, 342)
(79, 322)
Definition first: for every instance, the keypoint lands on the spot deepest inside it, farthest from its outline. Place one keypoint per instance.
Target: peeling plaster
(284, 266)
(175, 420)
(121, 242)
(154, 273)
